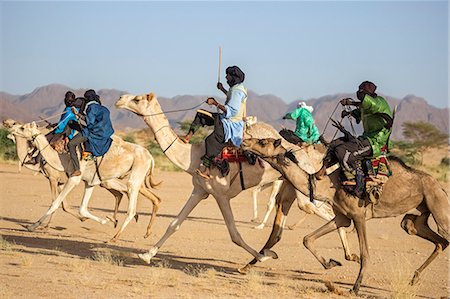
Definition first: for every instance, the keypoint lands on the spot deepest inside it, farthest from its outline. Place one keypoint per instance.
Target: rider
(305, 129)
(376, 116)
(228, 122)
(98, 130)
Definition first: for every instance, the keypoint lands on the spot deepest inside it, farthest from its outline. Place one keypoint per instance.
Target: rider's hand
(211, 101)
(344, 113)
(346, 102)
(219, 86)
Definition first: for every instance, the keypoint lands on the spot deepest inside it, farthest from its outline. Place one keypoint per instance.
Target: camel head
(9, 123)
(266, 147)
(144, 104)
(28, 131)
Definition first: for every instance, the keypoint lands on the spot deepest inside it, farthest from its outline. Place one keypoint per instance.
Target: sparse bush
(445, 161)
(107, 258)
(7, 147)
(5, 245)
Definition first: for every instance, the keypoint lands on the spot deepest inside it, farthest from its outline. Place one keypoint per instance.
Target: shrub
(7, 146)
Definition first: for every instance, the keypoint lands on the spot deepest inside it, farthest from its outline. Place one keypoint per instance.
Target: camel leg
(71, 183)
(54, 192)
(84, 212)
(227, 213)
(285, 199)
(324, 212)
(133, 187)
(296, 224)
(271, 203)
(418, 225)
(196, 196)
(118, 196)
(255, 192)
(156, 201)
(360, 225)
(338, 221)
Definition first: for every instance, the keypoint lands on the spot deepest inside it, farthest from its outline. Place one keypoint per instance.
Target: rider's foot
(186, 138)
(321, 173)
(86, 156)
(76, 173)
(204, 174)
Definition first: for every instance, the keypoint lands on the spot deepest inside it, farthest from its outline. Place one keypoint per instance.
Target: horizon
(292, 50)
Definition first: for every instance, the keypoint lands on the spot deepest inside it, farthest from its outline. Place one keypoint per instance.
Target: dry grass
(5, 245)
(26, 261)
(400, 280)
(107, 258)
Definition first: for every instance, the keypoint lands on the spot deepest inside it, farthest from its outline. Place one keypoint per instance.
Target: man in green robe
(305, 128)
(376, 116)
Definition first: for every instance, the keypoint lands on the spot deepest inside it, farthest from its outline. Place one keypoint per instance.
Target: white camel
(187, 157)
(123, 159)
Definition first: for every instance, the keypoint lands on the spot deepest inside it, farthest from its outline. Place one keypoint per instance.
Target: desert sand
(71, 259)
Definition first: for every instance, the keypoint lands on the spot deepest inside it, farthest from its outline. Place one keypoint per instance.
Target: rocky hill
(47, 100)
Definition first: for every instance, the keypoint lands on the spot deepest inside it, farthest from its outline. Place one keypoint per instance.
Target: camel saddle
(232, 154)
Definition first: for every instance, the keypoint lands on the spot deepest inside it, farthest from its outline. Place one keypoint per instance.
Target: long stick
(220, 63)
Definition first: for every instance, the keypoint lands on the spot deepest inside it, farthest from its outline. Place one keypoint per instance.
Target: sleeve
(356, 113)
(369, 104)
(65, 118)
(294, 114)
(234, 103)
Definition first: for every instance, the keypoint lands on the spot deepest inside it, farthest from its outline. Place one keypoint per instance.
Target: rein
(171, 111)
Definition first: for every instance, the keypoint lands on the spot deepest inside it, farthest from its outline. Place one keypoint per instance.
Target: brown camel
(408, 191)
(123, 159)
(187, 157)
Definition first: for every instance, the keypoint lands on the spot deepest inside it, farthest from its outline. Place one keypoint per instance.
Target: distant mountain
(48, 100)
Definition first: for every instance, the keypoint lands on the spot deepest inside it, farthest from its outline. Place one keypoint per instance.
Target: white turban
(303, 105)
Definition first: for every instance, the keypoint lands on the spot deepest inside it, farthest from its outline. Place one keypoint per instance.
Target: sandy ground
(72, 260)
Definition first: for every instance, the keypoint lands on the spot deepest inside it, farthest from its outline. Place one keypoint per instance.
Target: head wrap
(237, 76)
(78, 102)
(302, 104)
(90, 96)
(366, 88)
(69, 98)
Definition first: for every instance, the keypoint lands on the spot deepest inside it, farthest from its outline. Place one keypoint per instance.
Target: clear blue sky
(289, 49)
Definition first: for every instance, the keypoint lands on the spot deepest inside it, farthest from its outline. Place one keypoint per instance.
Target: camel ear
(150, 96)
(33, 125)
(277, 142)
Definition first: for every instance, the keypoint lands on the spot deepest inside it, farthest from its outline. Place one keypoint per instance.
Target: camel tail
(149, 182)
(438, 203)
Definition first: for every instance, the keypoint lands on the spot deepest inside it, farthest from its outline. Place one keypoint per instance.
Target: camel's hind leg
(255, 193)
(156, 201)
(285, 198)
(271, 202)
(418, 225)
(84, 212)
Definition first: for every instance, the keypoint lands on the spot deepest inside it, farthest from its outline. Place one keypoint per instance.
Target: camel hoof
(353, 258)
(291, 227)
(83, 219)
(136, 217)
(267, 255)
(245, 269)
(331, 264)
(146, 257)
(415, 279)
(254, 220)
(113, 240)
(114, 221)
(261, 226)
(30, 228)
(147, 235)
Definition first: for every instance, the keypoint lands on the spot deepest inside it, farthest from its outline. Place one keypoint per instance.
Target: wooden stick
(220, 63)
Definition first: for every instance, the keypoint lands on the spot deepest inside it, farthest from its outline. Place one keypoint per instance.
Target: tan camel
(123, 159)
(187, 157)
(408, 191)
(55, 177)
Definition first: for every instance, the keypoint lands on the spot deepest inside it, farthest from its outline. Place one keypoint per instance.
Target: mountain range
(47, 101)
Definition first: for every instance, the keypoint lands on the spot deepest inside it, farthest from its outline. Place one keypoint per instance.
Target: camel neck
(178, 152)
(47, 152)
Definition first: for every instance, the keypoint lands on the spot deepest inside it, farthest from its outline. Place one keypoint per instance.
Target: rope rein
(172, 111)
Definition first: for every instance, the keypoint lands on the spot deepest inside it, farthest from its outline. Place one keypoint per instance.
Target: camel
(187, 157)
(55, 177)
(270, 203)
(408, 191)
(122, 159)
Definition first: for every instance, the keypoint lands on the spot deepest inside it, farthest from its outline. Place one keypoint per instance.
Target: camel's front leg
(71, 183)
(285, 198)
(197, 195)
(84, 212)
(271, 203)
(255, 193)
(338, 221)
(360, 225)
(225, 208)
